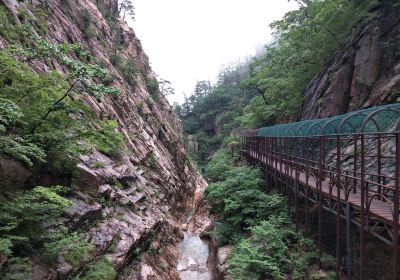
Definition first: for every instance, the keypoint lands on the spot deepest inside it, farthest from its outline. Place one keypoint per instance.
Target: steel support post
(348, 243)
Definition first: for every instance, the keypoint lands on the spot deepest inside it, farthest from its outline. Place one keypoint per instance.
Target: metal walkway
(347, 165)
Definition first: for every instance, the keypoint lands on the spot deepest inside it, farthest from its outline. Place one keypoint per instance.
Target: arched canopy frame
(374, 119)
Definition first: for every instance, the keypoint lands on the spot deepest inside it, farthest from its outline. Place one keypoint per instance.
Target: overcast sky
(190, 40)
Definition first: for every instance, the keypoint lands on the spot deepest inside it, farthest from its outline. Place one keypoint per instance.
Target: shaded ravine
(195, 261)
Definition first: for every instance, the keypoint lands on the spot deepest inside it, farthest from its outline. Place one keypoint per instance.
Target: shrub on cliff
(101, 270)
(39, 117)
(44, 125)
(23, 217)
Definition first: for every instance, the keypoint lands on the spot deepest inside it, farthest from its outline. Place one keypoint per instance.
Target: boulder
(13, 174)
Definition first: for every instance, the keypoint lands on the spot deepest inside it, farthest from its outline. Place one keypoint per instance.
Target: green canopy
(374, 119)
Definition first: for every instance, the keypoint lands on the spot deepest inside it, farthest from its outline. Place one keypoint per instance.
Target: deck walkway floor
(380, 209)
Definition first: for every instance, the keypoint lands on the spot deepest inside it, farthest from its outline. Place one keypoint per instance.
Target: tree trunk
(51, 109)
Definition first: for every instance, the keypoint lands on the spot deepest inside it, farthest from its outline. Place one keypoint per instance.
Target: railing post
(296, 183)
(338, 204)
(306, 187)
(379, 158)
(396, 210)
(355, 162)
(287, 166)
(319, 187)
(362, 212)
(348, 244)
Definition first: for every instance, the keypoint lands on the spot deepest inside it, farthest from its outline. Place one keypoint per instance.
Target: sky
(191, 40)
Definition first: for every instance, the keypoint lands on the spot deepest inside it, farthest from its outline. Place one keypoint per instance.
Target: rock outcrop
(364, 72)
(131, 202)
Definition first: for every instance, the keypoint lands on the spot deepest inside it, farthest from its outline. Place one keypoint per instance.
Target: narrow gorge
(272, 167)
(128, 197)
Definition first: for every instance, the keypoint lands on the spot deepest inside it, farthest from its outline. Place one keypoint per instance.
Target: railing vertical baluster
(296, 185)
(379, 155)
(286, 143)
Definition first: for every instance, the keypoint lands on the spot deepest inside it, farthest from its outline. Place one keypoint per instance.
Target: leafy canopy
(240, 201)
(305, 40)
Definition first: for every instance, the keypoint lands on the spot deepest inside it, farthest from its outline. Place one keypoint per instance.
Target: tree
(177, 109)
(202, 88)
(305, 40)
(126, 8)
(82, 77)
(165, 87)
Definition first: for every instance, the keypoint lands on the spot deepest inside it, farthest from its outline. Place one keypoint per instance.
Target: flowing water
(192, 263)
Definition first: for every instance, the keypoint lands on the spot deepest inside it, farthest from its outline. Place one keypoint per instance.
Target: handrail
(360, 169)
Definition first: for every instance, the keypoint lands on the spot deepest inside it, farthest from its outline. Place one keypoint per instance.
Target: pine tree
(125, 9)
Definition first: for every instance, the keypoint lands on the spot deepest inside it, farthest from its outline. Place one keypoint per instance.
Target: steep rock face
(363, 73)
(143, 192)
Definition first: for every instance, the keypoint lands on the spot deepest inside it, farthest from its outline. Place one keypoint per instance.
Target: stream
(192, 263)
(195, 260)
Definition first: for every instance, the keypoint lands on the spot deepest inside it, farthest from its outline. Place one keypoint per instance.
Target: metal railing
(354, 175)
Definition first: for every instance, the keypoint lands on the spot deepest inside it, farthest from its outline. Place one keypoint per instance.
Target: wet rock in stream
(192, 263)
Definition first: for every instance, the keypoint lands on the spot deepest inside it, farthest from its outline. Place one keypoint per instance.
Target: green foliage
(6, 22)
(87, 28)
(10, 113)
(218, 166)
(240, 201)
(73, 246)
(80, 73)
(38, 113)
(152, 86)
(305, 40)
(151, 161)
(273, 251)
(106, 138)
(212, 112)
(266, 245)
(21, 149)
(30, 224)
(129, 71)
(5, 246)
(22, 215)
(101, 270)
(207, 145)
(17, 269)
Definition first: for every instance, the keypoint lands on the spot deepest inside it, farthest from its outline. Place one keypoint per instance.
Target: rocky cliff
(129, 204)
(364, 72)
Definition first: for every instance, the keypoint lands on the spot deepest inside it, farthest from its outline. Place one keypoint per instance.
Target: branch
(260, 92)
(51, 109)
